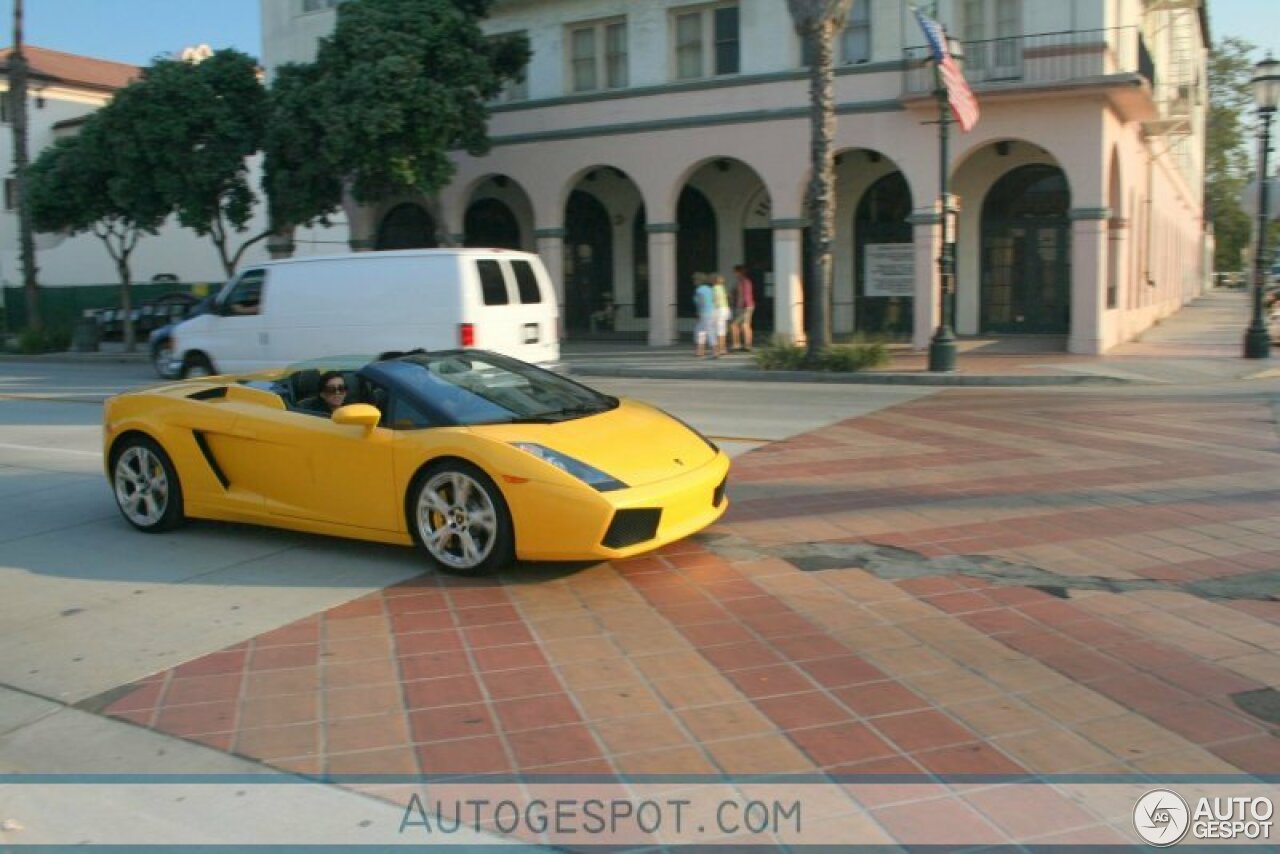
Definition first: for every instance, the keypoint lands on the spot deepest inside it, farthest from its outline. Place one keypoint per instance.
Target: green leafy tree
(302, 182)
(818, 22)
(404, 82)
(96, 183)
(200, 123)
(1227, 159)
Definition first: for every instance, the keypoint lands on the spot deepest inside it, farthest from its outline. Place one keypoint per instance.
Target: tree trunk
(126, 303)
(280, 243)
(819, 196)
(21, 159)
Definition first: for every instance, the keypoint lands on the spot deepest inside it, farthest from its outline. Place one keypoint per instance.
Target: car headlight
(589, 475)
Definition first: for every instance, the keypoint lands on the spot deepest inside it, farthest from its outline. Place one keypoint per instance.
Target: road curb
(877, 378)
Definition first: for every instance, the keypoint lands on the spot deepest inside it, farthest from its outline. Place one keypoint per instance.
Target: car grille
(632, 526)
(717, 497)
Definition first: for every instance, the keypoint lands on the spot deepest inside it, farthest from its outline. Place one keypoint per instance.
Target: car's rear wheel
(147, 489)
(197, 365)
(460, 519)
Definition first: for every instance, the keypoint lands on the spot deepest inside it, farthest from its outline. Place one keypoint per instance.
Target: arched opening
(884, 273)
(1026, 253)
(489, 222)
(588, 261)
(407, 226)
(696, 246)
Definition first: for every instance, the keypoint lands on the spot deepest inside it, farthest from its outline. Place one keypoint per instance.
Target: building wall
(83, 259)
(742, 140)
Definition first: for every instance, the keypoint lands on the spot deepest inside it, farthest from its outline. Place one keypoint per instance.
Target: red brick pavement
(718, 655)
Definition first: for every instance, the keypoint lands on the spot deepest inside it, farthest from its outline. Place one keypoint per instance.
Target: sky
(135, 31)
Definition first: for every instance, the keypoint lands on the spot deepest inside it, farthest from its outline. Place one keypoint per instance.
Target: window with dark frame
(598, 57)
(493, 285)
(526, 283)
(706, 41)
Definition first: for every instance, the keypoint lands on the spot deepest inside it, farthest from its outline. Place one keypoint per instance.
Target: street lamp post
(1266, 93)
(942, 348)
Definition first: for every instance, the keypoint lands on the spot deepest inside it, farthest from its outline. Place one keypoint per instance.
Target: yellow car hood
(635, 443)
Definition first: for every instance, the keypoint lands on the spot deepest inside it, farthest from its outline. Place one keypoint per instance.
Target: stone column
(280, 244)
(1089, 238)
(1117, 256)
(662, 283)
(788, 279)
(362, 227)
(550, 243)
(927, 304)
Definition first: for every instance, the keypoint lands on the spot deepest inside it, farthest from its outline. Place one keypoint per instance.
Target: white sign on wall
(890, 270)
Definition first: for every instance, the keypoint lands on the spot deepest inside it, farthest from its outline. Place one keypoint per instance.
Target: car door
(241, 337)
(307, 467)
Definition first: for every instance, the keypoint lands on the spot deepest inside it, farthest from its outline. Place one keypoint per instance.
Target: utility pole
(21, 159)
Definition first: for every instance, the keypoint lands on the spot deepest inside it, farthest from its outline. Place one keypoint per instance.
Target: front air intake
(718, 495)
(632, 526)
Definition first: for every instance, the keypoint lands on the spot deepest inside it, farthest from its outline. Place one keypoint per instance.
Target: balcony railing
(1042, 59)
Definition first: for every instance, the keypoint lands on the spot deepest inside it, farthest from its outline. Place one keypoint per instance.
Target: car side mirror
(361, 414)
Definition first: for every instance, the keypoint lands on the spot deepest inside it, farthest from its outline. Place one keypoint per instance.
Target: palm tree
(21, 160)
(817, 22)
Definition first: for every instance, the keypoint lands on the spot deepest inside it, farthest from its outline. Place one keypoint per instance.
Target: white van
(279, 312)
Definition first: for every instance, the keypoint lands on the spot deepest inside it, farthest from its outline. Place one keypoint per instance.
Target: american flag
(964, 106)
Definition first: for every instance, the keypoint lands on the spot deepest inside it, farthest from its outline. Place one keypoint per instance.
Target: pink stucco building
(652, 140)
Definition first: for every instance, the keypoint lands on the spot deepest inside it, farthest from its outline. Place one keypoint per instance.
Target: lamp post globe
(1266, 95)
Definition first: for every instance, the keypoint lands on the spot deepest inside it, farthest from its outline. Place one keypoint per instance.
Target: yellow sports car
(477, 458)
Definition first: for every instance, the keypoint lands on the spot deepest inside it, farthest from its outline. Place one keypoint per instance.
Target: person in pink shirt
(744, 307)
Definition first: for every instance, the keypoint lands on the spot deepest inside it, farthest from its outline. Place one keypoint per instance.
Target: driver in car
(333, 394)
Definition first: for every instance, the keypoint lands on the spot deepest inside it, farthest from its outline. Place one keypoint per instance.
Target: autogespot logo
(1161, 817)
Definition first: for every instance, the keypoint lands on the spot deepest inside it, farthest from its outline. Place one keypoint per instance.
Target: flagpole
(942, 349)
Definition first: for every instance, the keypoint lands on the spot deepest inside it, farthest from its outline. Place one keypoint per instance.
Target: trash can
(85, 336)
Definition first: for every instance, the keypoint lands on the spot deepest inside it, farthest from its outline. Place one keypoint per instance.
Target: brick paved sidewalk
(976, 582)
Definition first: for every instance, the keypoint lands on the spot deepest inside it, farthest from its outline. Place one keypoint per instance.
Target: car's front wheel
(161, 355)
(197, 365)
(460, 519)
(147, 489)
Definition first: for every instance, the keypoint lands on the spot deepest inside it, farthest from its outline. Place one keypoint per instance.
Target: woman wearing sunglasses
(333, 394)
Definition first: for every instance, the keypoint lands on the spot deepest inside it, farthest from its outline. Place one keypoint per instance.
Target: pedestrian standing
(722, 314)
(744, 299)
(704, 301)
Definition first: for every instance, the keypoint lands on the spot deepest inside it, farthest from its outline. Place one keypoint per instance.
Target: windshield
(472, 387)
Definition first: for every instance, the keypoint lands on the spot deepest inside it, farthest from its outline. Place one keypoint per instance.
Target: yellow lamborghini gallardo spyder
(477, 458)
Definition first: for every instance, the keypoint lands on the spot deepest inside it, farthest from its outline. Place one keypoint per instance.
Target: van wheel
(147, 489)
(197, 365)
(459, 518)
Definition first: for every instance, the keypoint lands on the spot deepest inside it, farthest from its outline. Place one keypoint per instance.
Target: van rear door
(515, 313)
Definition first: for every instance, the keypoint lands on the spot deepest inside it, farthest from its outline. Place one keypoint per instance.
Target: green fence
(62, 306)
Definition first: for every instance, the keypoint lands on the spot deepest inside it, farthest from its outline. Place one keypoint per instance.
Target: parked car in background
(279, 312)
(160, 341)
(150, 315)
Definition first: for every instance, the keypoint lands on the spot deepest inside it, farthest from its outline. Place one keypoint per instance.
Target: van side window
(492, 283)
(246, 295)
(527, 282)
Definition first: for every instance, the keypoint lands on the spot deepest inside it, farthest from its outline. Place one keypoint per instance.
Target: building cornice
(685, 123)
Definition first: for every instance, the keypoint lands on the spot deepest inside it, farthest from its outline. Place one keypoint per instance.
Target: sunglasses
(335, 389)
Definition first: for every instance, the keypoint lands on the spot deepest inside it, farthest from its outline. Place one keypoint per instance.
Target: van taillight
(466, 335)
